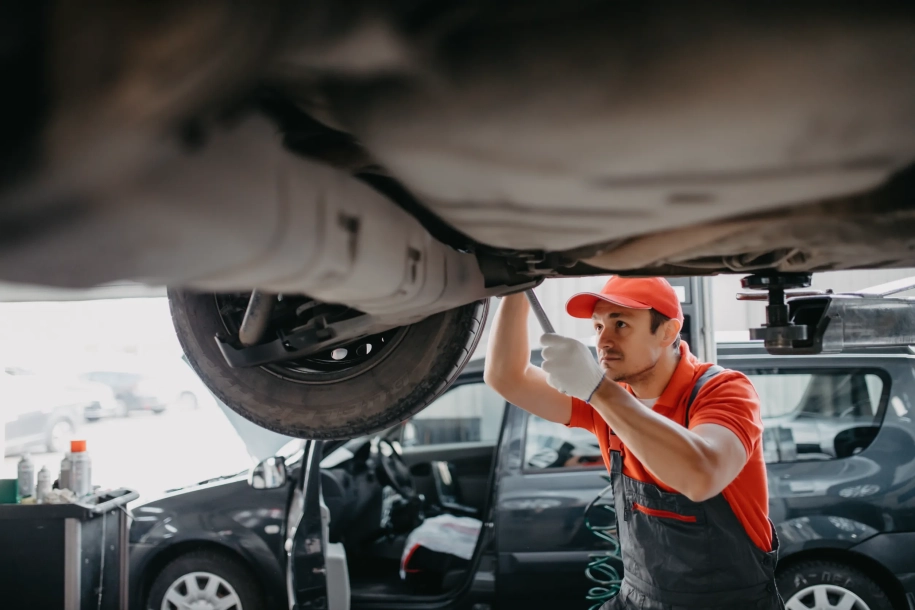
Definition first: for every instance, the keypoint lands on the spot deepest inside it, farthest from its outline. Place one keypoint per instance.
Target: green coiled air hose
(600, 570)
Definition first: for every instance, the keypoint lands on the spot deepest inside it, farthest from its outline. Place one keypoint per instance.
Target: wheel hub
(201, 591)
(292, 312)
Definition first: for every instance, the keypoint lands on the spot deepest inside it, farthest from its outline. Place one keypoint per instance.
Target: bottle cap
(77, 446)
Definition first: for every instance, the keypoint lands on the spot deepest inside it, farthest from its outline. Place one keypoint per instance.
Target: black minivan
(328, 525)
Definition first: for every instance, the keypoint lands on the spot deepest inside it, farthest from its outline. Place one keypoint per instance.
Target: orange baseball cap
(631, 292)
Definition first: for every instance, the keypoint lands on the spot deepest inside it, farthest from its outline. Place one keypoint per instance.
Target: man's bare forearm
(508, 353)
(508, 365)
(678, 457)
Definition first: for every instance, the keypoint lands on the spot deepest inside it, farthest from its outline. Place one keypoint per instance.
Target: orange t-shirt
(727, 399)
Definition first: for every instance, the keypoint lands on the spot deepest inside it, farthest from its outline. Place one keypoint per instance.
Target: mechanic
(682, 440)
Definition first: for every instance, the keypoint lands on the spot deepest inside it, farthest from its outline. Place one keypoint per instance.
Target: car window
(291, 451)
(467, 413)
(551, 445)
(819, 414)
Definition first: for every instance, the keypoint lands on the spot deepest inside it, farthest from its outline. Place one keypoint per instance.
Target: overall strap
(711, 372)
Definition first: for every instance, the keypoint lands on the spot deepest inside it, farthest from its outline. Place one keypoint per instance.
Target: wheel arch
(69, 415)
(867, 565)
(160, 560)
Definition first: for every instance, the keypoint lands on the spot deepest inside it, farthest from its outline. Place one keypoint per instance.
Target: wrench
(538, 311)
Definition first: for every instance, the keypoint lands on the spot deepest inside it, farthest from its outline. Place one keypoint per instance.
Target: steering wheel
(394, 470)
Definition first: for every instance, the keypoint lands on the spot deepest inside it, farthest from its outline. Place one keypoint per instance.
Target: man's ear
(671, 331)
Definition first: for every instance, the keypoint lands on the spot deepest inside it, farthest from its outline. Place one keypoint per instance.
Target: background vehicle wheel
(204, 579)
(827, 585)
(59, 436)
(379, 382)
(187, 401)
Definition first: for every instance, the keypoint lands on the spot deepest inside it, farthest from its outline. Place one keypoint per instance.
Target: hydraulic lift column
(698, 328)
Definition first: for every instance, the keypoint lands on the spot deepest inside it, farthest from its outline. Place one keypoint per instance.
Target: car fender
(167, 540)
(820, 531)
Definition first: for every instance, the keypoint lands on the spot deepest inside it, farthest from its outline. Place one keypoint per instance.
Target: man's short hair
(658, 318)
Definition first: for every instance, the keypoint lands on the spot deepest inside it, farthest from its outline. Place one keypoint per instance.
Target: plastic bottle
(66, 471)
(26, 477)
(44, 484)
(81, 472)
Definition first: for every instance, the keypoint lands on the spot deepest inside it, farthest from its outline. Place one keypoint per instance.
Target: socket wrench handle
(538, 311)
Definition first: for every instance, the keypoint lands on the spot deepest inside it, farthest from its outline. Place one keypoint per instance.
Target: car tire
(799, 585)
(387, 389)
(58, 436)
(199, 568)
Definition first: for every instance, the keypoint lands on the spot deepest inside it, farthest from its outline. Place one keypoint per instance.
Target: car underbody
(402, 160)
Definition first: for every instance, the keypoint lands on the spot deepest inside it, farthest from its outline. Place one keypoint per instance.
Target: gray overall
(679, 554)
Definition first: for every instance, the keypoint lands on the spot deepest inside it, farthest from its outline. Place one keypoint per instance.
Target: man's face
(627, 349)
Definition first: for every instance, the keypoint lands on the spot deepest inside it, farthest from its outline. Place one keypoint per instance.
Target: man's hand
(570, 366)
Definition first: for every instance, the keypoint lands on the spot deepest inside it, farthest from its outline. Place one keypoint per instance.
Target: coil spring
(600, 570)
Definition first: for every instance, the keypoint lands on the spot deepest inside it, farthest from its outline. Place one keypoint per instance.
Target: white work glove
(570, 366)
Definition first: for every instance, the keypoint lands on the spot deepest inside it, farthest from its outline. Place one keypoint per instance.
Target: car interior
(383, 493)
(820, 415)
(379, 489)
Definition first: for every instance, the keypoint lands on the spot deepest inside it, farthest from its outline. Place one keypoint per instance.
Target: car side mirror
(269, 474)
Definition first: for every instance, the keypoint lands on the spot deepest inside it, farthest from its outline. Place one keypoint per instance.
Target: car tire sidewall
(799, 576)
(220, 564)
(429, 356)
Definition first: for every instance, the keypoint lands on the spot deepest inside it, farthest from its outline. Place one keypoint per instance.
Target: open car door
(316, 572)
